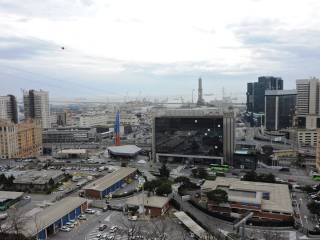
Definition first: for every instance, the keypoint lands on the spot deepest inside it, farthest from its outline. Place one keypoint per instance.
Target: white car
(90, 211)
(70, 225)
(82, 217)
(65, 229)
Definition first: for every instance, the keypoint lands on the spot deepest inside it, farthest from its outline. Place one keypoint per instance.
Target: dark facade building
(200, 136)
(279, 109)
(256, 91)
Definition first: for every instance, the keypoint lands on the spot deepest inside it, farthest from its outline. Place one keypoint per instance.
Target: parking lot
(118, 227)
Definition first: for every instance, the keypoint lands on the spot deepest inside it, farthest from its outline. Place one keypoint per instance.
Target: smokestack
(200, 98)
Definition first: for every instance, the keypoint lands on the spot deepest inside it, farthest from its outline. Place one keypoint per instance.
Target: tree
(164, 171)
(218, 196)
(268, 178)
(151, 185)
(250, 176)
(164, 189)
(51, 182)
(314, 207)
(307, 189)
(181, 179)
(200, 172)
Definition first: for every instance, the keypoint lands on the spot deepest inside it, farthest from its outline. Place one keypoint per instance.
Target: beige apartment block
(29, 138)
(8, 140)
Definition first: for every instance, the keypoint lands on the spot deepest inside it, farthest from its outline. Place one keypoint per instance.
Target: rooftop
(280, 92)
(51, 214)
(152, 201)
(124, 150)
(5, 195)
(108, 180)
(37, 177)
(73, 151)
(253, 192)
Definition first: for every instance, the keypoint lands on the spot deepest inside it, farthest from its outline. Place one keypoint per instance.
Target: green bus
(220, 167)
(316, 177)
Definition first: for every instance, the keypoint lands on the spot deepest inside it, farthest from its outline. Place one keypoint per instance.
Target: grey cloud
(22, 48)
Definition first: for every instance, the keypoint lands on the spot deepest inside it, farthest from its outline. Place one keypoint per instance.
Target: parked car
(102, 227)
(65, 229)
(90, 211)
(70, 225)
(82, 217)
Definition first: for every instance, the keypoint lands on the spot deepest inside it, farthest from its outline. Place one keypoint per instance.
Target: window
(266, 195)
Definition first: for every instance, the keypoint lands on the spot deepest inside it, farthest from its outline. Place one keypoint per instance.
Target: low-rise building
(153, 206)
(47, 222)
(72, 153)
(268, 201)
(68, 135)
(111, 182)
(7, 199)
(37, 181)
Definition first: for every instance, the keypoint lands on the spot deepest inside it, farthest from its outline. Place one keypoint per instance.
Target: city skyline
(119, 48)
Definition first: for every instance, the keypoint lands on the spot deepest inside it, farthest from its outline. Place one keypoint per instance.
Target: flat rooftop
(124, 150)
(152, 201)
(253, 193)
(6, 195)
(108, 180)
(51, 214)
(73, 151)
(37, 177)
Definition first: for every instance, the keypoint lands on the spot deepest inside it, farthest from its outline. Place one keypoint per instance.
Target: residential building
(267, 201)
(8, 140)
(110, 183)
(306, 137)
(279, 109)
(8, 108)
(256, 91)
(29, 138)
(196, 135)
(36, 106)
(62, 118)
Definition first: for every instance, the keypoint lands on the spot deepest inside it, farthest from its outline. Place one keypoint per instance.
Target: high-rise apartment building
(8, 108)
(308, 97)
(279, 109)
(8, 140)
(256, 91)
(29, 138)
(36, 106)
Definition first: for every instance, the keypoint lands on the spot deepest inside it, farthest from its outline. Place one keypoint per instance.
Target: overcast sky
(155, 48)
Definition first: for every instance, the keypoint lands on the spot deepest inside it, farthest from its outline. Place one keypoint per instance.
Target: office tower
(36, 106)
(256, 91)
(196, 135)
(200, 93)
(279, 108)
(29, 138)
(8, 108)
(8, 140)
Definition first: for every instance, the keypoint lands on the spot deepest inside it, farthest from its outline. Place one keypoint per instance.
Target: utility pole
(241, 225)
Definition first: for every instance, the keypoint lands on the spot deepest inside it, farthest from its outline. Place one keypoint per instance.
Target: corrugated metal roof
(108, 180)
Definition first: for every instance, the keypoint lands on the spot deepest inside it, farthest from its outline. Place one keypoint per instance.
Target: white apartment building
(308, 96)
(36, 105)
(9, 147)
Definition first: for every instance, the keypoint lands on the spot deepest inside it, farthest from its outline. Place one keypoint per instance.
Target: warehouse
(48, 221)
(110, 183)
